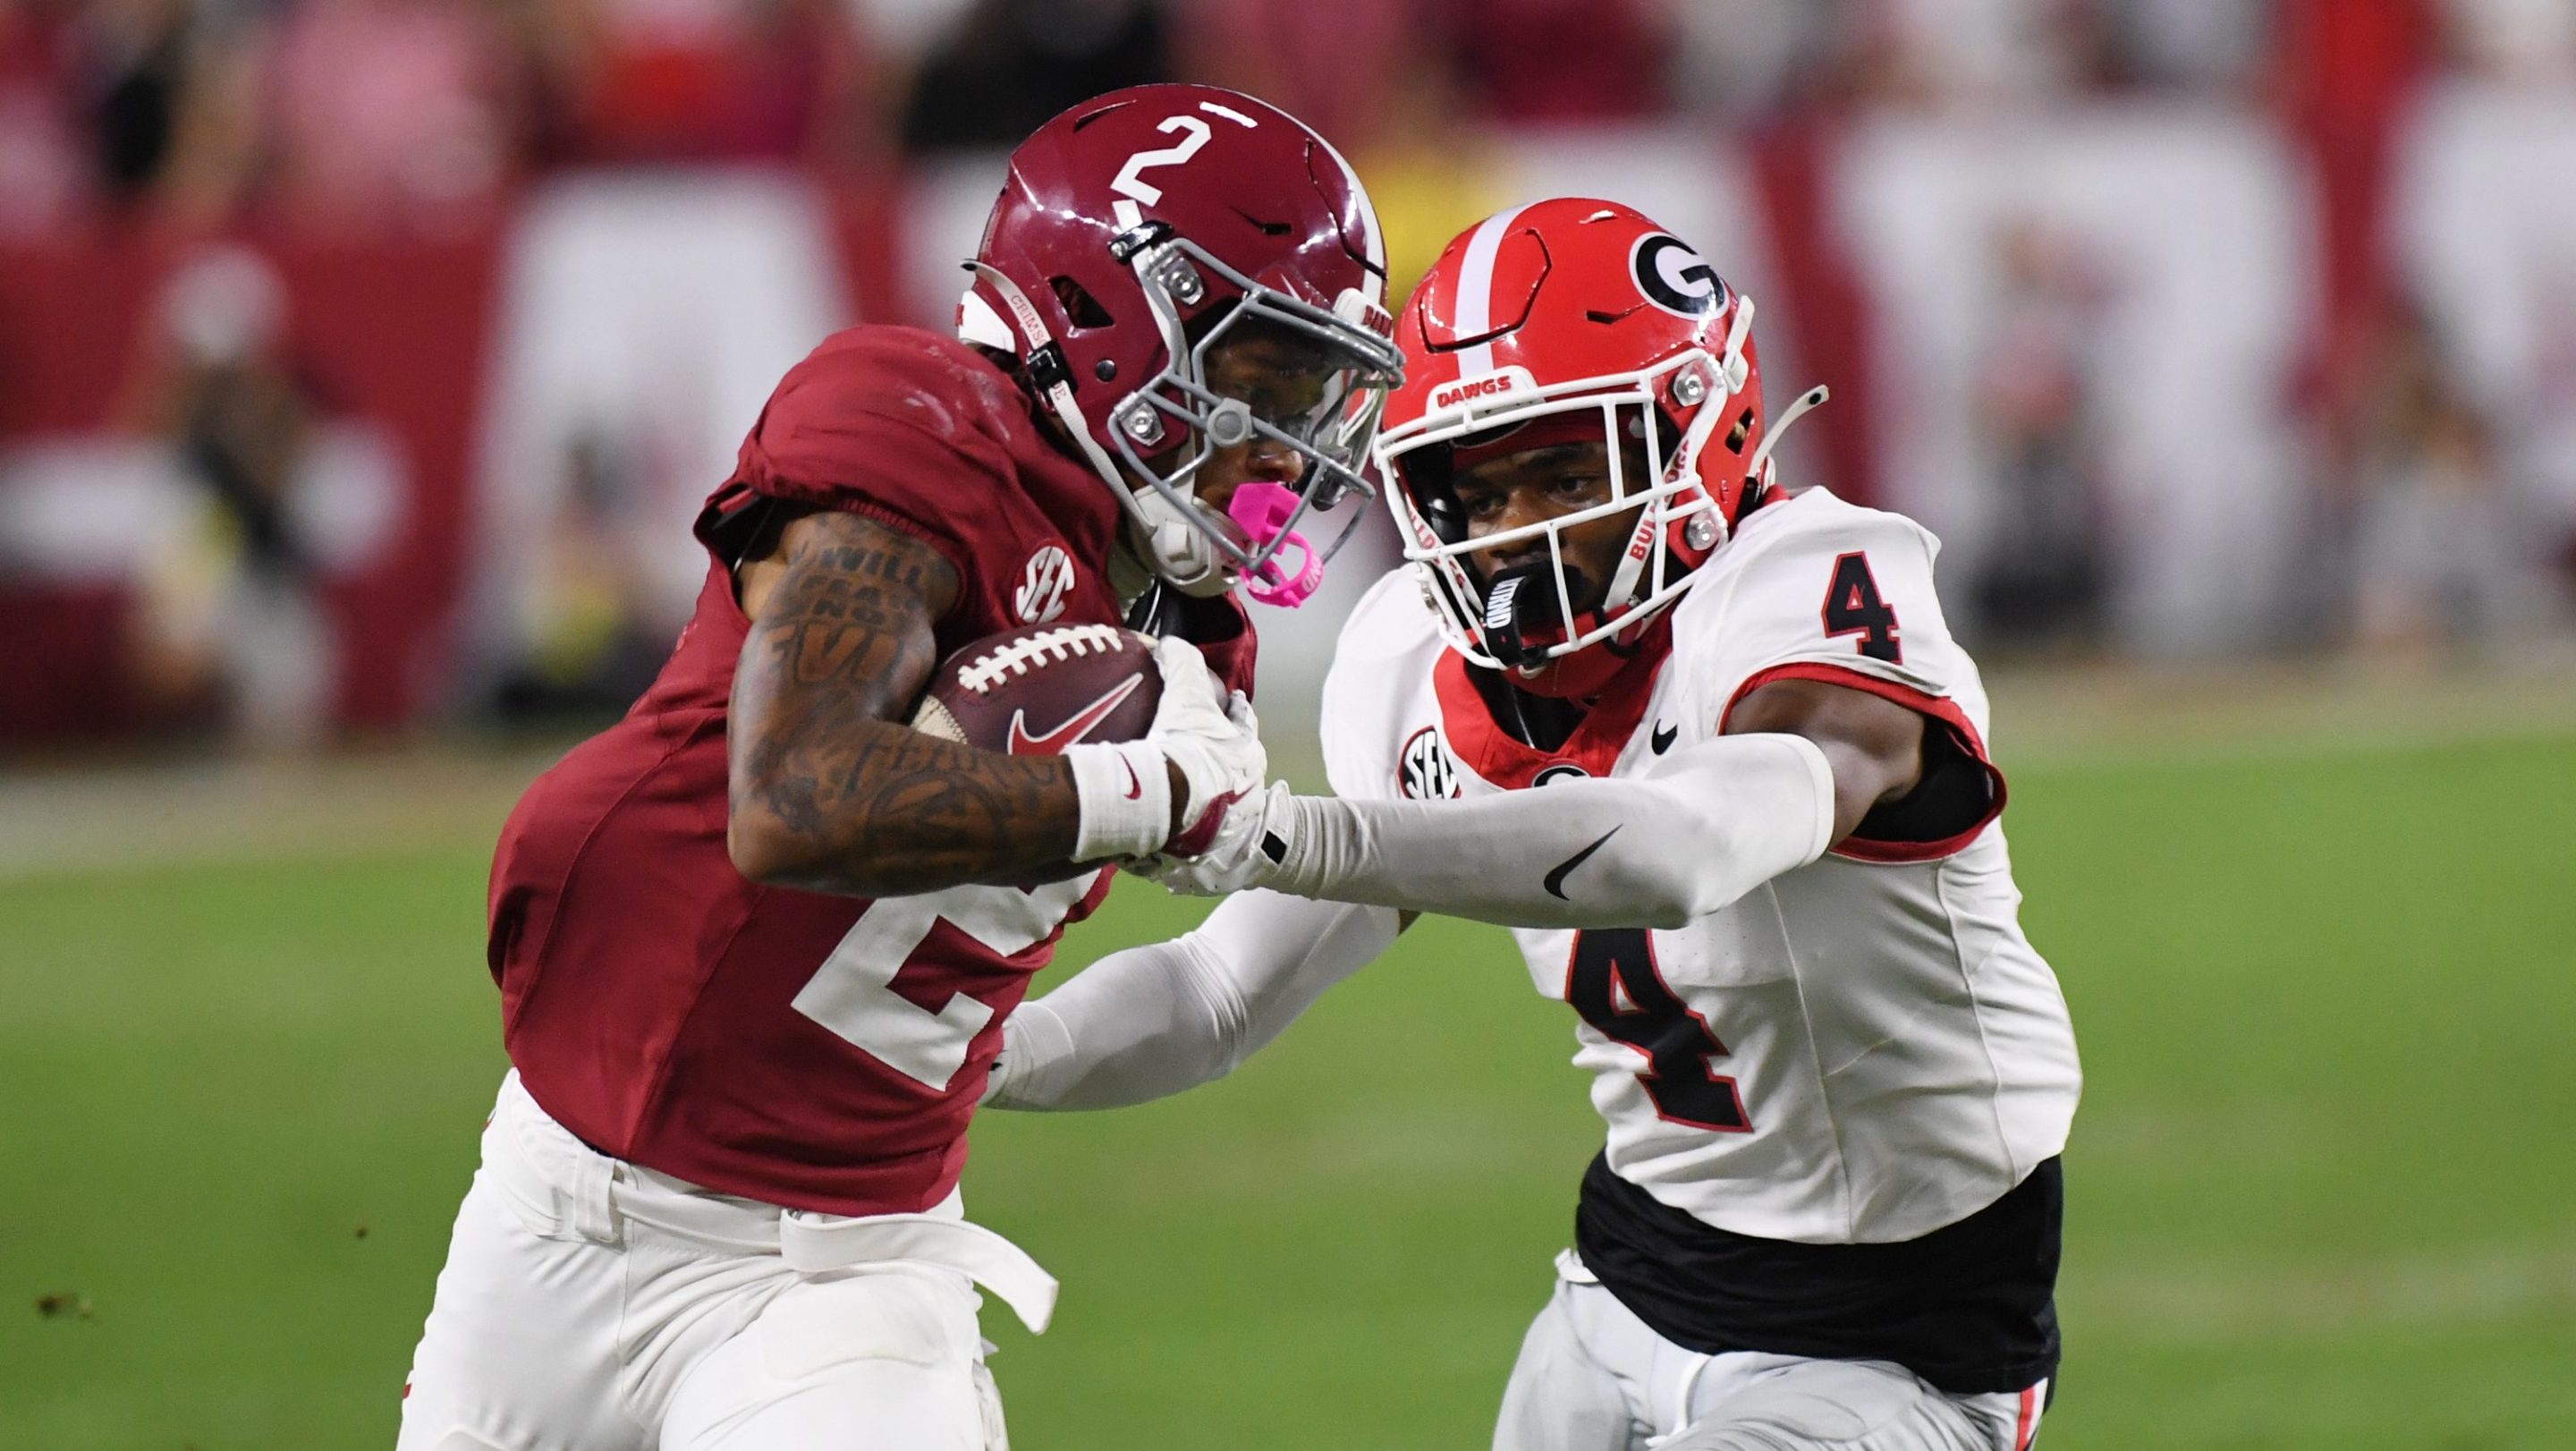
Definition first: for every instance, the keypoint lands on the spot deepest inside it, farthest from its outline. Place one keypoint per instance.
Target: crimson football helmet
(1573, 320)
(1134, 234)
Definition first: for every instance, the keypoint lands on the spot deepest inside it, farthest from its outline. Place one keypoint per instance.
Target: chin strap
(1758, 469)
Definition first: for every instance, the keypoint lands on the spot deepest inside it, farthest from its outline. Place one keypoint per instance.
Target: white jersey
(1862, 1050)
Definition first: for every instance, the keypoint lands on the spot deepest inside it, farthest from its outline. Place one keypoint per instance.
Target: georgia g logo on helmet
(1675, 278)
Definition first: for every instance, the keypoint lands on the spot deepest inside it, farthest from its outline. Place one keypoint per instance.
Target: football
(1035, 690)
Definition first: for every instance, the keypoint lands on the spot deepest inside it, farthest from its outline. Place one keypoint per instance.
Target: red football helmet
(1134, 233)
(1573, 319)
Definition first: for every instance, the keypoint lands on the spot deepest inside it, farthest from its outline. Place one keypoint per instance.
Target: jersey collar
(1483, 745)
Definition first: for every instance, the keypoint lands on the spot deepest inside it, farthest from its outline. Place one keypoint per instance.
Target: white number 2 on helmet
(1134, 191)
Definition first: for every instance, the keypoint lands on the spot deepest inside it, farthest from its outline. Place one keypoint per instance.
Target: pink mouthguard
(1261, 511)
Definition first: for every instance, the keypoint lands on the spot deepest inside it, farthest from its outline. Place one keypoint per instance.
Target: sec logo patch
(1425, 771)
(1043, 585)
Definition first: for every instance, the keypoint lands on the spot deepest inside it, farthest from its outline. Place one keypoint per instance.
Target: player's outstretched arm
(1154, 1020)
(829, 791)
(1874, 745)
(1709, 824)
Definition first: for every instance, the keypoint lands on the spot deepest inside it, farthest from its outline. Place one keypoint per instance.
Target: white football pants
(590, 1304)
(1594, 1377)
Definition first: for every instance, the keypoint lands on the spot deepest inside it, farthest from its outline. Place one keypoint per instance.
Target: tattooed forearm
(829, 792)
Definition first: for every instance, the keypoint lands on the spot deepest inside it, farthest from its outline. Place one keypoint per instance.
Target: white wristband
(1125, 789)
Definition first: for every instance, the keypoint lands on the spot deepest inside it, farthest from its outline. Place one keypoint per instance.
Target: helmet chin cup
(1179, 552)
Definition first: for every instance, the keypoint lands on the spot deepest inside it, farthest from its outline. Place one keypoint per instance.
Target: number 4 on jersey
(1852, 607)
(1613, 984)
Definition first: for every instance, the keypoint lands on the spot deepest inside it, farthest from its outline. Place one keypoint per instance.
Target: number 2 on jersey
(853, 994)
(1613, 984)
(1852, 607)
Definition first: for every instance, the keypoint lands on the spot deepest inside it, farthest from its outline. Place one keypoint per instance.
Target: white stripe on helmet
(1371, 239)
(1475, 308)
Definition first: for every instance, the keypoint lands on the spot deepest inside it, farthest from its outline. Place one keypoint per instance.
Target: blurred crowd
(414, 113)
(403, 122)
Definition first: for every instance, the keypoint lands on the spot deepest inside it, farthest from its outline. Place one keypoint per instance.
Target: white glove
(1216, 745)
(1125, 788)
(1246, 852)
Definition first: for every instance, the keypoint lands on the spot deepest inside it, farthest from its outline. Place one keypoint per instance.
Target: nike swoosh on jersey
(1662, 740)
(1555, 881)
(1073, 730)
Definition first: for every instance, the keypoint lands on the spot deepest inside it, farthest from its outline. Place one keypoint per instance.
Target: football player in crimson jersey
(1707, 746)
(755, 943)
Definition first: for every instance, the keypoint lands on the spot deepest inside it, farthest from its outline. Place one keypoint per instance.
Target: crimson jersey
(814, 1051)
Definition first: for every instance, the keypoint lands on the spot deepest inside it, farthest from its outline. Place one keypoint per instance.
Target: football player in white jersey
(1709, 749)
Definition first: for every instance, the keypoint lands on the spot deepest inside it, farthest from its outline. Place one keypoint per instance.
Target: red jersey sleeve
(897, 424)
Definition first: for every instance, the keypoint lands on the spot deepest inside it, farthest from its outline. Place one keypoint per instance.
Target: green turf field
(2322, 1192)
